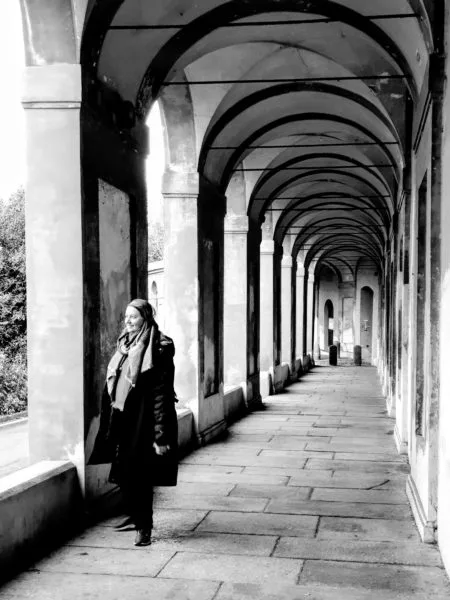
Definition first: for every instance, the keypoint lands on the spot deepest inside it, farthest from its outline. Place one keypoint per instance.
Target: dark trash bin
(332, 350)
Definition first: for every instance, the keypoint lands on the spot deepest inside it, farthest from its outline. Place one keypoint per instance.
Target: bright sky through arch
(12, 122)
(12, 117)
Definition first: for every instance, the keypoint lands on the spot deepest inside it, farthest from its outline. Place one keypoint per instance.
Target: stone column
(54, 247)
(286, 310)
(184, 303)
(310, 316)
(316, 343)
(253, 396)
(299, 338)
(266, 304)
(235, 301)
(181, 278)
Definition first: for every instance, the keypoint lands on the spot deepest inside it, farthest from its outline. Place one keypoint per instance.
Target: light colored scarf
(138, 347)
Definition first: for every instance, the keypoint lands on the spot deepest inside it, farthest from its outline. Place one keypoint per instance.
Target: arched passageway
(366, 323)
(303, 164)
(328, 324)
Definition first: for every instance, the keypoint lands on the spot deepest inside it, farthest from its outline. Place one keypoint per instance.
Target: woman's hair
(145, 308)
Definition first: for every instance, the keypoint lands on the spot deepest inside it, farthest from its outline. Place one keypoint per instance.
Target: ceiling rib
(361, 166)
(317, 145)
(287, 80)
(390, 17)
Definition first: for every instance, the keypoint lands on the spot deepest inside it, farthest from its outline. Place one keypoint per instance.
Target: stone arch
(328, 325)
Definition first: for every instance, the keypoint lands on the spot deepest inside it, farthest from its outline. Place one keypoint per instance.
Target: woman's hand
(160, 450)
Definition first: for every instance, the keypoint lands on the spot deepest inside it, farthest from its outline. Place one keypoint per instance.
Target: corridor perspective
(304, 500)
(303, 274)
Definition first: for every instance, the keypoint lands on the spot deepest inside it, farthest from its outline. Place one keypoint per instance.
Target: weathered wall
(444, 405)
(347, 322)
(115, 291)
(422, 450)
(367, 278)
(328, 290)
(115, 275)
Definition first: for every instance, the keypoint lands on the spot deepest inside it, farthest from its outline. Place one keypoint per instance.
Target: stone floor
(304, 500)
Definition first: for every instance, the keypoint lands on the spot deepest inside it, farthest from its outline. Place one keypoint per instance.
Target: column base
(265, 383)
(256, 404)
(402, 447)
(211, 432)
(426, 528)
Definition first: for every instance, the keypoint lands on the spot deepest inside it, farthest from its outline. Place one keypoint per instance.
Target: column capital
(286, 262)
(52, 86)
(310, 278)
(300, 271)
(236, 223)
(267, 247)
(180, 184)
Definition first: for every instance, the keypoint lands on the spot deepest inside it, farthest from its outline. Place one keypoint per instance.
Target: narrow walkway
(304, 500)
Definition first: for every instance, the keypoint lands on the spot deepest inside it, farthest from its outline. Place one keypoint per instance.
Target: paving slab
(372, 457)
(212, 503)
(66, 586)
(262, 524)
(298, 461)
(275, 469)
(248, 591)
(352, 446)
(218, 543)
(187, 488)
(338, 528)
(366, 496)
(359, 551)
(238, 569)
(106, 561)
(291, 441)
(220, 469)
(242, 438)
(281, 455)
(430, 580)
(366, 466)
(292, 506)
(271, 491)
(303, 500)
(258, 477)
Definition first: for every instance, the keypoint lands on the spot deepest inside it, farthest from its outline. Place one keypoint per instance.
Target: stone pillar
(253, 396)
(300, 292)
(189, 283)
(54, 247)
(235, 301)
(310, 316)
(286, 310)
(316, 343)
(266, 304)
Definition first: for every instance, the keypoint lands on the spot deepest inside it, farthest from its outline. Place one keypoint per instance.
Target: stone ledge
(40, 507)
(426, 528)
(402, 446)
(234, 403)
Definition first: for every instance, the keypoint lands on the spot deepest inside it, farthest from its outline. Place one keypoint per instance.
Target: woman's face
(133, 319)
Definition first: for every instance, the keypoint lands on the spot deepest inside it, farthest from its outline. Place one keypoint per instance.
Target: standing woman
(138, 426)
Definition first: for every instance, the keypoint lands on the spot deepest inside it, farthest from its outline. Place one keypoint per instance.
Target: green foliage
(13, 323)
(155, 242)
(13, 383)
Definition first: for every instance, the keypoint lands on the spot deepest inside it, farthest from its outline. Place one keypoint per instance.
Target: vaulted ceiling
(310, 101)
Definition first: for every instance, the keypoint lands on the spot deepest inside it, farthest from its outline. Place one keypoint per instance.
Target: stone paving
(304, 500)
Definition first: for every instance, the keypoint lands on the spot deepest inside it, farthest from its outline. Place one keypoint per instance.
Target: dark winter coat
(125, 438)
